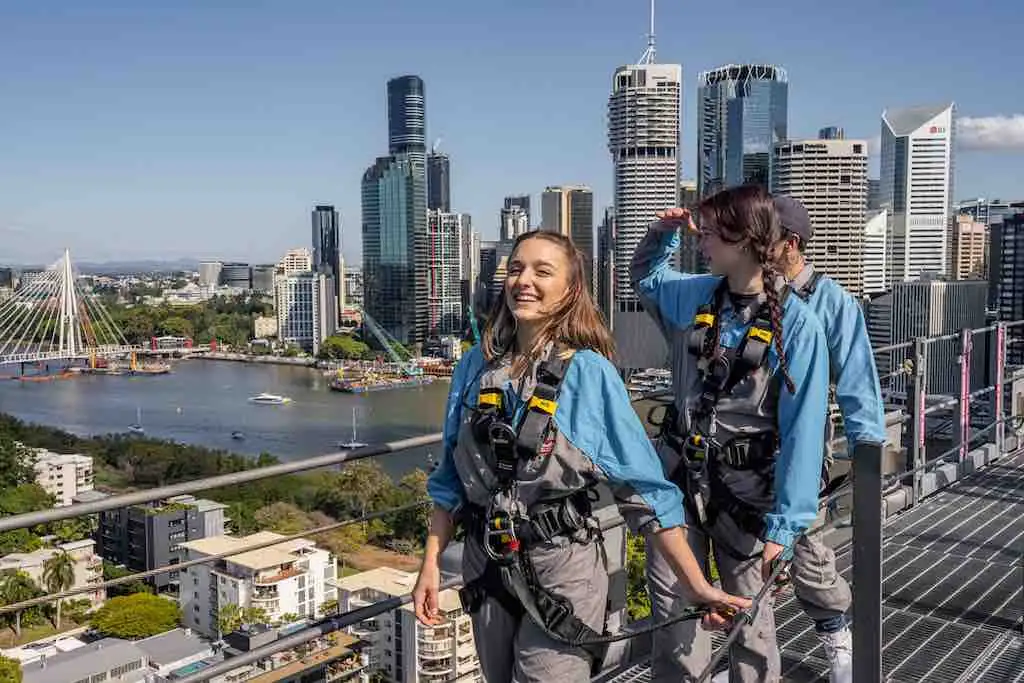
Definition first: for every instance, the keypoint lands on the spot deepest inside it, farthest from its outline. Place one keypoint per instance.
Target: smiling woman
(536, 420)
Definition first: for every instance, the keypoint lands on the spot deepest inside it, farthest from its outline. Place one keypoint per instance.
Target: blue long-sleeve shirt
(672, 299)
(851, 361)
(595, 416)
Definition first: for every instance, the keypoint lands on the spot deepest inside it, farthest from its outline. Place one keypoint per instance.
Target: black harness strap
(540, 411)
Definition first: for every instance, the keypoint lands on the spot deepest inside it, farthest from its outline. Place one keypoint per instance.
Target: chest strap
(493, 426)
(722, 370)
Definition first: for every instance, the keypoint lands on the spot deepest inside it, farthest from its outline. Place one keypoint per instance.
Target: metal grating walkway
(953, 590)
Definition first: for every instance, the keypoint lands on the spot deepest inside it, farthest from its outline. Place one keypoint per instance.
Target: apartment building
(63, 476)
(289, 578)
(88, 566)
(397, 645)
(144, 537)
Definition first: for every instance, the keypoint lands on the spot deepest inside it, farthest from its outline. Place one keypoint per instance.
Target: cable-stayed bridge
(50, 317)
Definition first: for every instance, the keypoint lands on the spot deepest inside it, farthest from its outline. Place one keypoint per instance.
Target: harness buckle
(696, 451)
(500, 541)
(503, 444)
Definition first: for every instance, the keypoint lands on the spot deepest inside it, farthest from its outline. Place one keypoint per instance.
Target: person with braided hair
(743, 436)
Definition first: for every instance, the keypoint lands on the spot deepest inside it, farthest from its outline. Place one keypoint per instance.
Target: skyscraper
(969, 260)
(439, 196)
(923, 307)
(743, 110)
(445, 235)
(643, 138)
(830, 178)
(1006, 275)
(325, 240)
(394, 208)
(407, 118)
(875, 252)
(326, 251)
(605, 269)
(569, 210)
(917, 188)
(521, 201)
(831, 133)
(394, 203)
(514, 222)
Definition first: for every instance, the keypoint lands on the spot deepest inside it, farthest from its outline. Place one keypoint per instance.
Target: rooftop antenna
(649, 53)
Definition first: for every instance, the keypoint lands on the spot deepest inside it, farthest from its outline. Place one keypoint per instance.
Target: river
(203, 401)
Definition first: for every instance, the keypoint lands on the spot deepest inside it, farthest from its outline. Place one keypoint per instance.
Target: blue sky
(209, 129)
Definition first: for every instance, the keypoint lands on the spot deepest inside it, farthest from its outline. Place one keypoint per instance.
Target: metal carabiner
(500, 541)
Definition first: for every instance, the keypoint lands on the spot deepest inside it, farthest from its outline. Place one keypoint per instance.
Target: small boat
(136, 427)
(354, 442)
(237, 435)
(269, 399)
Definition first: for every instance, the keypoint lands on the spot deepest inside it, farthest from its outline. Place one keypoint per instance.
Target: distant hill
(124, 267)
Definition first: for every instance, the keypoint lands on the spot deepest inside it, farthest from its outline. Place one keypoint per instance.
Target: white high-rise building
(643, 138)
(63, 476)
(514, 222)
(306, 309)
(400, 647)
(917, 188)
(293, 577)
(830, 178)
(295, 261)
(445, 241)
(874, 251)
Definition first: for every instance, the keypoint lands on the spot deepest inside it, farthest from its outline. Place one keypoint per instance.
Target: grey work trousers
(515, 650)
(821, 592)
(683, 650)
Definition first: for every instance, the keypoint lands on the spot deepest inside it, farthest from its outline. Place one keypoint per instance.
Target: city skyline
(111, 116)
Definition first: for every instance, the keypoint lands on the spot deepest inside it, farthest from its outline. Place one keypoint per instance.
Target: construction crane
(391, 345)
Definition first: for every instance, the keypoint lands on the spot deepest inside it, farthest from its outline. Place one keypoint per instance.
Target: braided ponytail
(768, 275)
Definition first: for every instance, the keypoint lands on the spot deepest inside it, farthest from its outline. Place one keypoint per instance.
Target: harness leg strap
(554, 615)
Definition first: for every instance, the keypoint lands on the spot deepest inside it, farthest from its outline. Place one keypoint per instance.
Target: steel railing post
(962, 436)
(916, 397)
(867, 563)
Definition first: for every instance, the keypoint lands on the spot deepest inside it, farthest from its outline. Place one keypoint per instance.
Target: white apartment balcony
(434, 670)
(435, 650)
(277, 577)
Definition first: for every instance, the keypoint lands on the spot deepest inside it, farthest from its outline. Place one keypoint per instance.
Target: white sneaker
(839, 650)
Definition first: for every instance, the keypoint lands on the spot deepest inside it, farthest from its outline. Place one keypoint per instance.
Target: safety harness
(701, 452)
(506, 536)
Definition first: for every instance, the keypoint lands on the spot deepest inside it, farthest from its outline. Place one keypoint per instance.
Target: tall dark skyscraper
(407, 117)
(327, 252)
(394, 208)
(439, 196)
(326, 256)
(742, 113)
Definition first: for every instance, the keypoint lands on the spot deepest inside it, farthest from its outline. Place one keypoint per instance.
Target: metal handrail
(51, 597)
(30, 519)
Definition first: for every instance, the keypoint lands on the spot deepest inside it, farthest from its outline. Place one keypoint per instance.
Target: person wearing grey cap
(821, 592)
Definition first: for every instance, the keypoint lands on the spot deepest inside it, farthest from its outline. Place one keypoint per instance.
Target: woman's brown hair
(573, 322)
(747, 214)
